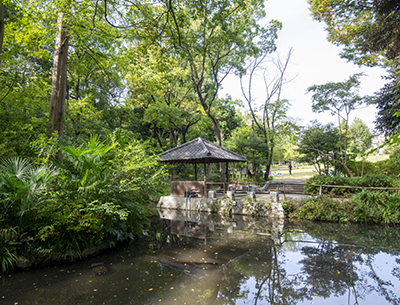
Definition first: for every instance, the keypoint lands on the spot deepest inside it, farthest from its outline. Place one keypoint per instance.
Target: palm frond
(15, 166)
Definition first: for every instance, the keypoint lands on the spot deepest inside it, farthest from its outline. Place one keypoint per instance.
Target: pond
(209, 259)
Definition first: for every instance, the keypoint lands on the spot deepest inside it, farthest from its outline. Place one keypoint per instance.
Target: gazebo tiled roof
(200, 151)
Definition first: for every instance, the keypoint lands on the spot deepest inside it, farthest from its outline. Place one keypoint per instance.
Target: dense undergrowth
(378, 207)
(349, 204)
(94, 194)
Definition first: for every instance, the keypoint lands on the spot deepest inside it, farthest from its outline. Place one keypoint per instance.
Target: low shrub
(378, 180)
(376, 207)
(322, 208)
(365, 207)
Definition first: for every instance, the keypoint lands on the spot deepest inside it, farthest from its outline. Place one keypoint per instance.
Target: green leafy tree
(387, 101)
(160, 85)
(227, 112)
(340, 99)
(214, 38)
(319, 146)
(360, 137)
(369, 33)
(59, 78)
(247, 141)
(366, 29)
(2, 10)
(24, 83)
(287, 142)
(360, 141)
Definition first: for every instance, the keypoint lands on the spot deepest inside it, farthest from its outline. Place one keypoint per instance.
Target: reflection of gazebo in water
(198, 151)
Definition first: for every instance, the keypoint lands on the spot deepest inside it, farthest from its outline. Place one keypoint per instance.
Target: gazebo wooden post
(205, 172)
(195, 171)
(227, 176)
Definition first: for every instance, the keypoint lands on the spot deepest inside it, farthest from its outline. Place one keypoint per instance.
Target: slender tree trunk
(268, 158)
(2, 9)
(59, 79)
(218, 137)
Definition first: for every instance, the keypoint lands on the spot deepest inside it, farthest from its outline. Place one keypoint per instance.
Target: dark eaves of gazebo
(200, 151)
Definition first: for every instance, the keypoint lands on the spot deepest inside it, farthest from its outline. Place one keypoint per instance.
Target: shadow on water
(209, 259)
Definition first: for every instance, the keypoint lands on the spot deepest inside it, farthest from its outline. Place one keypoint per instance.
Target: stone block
(251, 195)
(23, 263)
(212, 194)
(274, 196)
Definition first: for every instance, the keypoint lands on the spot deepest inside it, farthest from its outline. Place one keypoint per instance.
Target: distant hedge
(369, 180)
(384, 167)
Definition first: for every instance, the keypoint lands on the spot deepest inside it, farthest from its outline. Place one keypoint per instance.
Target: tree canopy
(369, 32)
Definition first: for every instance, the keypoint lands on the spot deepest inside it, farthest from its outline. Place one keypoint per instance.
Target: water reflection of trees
(382, 286)
(334, 261)
(343, 260)
(334, 266)
(330, 270)
(337, 261)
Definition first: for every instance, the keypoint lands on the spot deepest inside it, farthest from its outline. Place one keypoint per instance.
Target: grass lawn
(307, 171)
(302, 173)
(375, 158)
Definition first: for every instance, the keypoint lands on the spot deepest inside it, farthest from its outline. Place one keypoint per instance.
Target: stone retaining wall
(226, 205)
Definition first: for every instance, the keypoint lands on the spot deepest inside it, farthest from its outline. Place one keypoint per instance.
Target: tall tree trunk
(2, 9)
(218, 137)
(268, 158)
(59, 79)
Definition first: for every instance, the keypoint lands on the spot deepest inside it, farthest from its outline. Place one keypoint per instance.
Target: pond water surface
(208, 259)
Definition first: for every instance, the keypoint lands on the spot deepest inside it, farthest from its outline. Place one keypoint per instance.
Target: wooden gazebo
(198, 151)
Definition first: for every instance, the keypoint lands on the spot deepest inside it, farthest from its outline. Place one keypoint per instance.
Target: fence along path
(297, 187)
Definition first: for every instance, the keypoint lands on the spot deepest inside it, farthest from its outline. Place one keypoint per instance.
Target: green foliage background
(96, 194)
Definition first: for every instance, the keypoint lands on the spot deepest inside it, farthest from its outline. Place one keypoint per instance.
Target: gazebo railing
(239, 187)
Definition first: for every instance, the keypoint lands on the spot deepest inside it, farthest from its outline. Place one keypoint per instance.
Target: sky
(314, 61)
